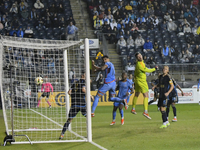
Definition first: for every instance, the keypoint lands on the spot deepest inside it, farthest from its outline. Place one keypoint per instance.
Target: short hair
(137, 53)
(105, 56)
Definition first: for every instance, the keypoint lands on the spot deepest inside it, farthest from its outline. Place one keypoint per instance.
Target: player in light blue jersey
(130, 79)
(124, 86)
(109, 83)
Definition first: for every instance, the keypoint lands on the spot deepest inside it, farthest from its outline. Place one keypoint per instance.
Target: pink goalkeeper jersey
(46, 86)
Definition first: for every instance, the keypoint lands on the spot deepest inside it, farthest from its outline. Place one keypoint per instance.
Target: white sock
(174, 116)
(146, 111)
(133, 108)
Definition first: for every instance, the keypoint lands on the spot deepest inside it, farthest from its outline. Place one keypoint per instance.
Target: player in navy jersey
(130, 79)
(77, 93)
(165, 86)
(109, 84)
(173, 98)
(156, 90)
(124, 86)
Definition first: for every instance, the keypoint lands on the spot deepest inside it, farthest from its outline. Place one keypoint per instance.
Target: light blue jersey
(131, 82)
(110, 73)
(124, 87)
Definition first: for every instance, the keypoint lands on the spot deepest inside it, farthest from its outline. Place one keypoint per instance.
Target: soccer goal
(22, 61)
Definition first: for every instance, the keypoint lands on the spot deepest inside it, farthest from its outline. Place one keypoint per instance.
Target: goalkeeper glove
(156, 67)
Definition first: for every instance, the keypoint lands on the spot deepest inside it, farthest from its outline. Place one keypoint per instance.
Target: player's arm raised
(98, 68)
(143, 68)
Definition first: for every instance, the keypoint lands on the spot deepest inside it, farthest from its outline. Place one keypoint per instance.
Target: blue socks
(114, 115)
(95, 103)
(116, 99)
(121, 113)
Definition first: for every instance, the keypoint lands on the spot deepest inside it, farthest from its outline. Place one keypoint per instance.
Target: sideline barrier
(58, 98)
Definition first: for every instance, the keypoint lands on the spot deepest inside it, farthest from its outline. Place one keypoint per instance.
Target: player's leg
(102, 90)
(137, 93)
(134, 102)
(128, 98)
(72, 113)
(168, 107)
(145, 103)
(116, 105)
(162, 104)
(121, 113)
(174, 112)
(83, 111)
(39, 100)
(47, 99)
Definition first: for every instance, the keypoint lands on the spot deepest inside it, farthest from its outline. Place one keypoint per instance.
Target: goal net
(28, 116)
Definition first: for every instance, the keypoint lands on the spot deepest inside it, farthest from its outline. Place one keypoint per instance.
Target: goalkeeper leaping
(46, 87)
(141, 85)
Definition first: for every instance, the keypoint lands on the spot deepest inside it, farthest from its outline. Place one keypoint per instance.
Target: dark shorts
(46, 94)
(156, 93)
(74, 111)
(162, 102)
(172, 100)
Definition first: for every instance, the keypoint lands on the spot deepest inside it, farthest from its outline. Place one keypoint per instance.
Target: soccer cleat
(163, 126)
(133, 112)
(61, 137)
(113, 123)
(50, 106)
(125, 104)
(174, 120)
(146, 115)
(168, 124)
(92, 114)
(122, 121)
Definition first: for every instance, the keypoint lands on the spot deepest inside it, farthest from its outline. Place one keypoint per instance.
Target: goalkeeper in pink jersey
(46, 88)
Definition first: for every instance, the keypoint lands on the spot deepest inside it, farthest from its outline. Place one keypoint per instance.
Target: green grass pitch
(138, 133)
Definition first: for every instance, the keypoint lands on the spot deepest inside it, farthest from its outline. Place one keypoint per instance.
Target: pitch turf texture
(138, 133)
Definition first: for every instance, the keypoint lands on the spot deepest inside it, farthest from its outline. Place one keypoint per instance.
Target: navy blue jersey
(124, 87)
(77, 95)
(164, 85)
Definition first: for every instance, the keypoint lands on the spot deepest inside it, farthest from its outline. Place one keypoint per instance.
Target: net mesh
(32, 58)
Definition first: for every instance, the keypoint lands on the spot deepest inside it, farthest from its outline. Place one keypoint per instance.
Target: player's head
(138, 56)
(105, 58)
(46, 79)
(83, 75)
(124, 76)
(165, 70)
(130, 76)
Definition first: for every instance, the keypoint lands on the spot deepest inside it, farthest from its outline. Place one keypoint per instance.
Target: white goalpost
(29, 119)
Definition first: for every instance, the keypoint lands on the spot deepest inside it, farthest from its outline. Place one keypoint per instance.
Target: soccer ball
(38, 80)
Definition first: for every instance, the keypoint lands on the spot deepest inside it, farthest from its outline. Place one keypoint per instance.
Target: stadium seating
(47, 32)
(179, 42)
